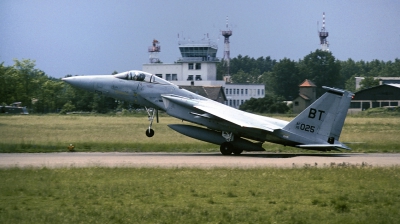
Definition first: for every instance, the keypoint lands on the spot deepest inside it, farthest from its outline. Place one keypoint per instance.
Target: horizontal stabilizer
(341, 146)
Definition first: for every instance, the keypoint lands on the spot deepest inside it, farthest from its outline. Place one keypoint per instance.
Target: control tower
(153, 51)
(323, 34)
(198, 51)
(226, 33)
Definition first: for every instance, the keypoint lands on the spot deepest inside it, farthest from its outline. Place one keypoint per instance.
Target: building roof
(381, 92)
(307, 83)
(211, 92)
(304, 96)
(395, 85)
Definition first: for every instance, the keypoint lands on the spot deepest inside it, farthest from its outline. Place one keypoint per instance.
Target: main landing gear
(151, 113)
(227, 147)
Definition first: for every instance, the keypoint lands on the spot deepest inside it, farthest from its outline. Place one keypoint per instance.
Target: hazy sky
(98, 37)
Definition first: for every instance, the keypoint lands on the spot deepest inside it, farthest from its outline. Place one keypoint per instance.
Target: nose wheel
(151, 112)
(149, 133)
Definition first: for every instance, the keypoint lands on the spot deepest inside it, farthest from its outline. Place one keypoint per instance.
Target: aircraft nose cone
(82, 82)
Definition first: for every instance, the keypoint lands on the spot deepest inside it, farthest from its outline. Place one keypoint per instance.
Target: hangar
(387, 95)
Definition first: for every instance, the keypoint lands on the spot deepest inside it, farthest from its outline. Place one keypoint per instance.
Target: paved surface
(200, 160)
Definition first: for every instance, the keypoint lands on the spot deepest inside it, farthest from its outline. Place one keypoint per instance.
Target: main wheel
(237, 151)
(149, 133)
(226, 148)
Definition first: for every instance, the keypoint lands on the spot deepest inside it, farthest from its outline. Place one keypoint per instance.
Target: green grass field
(335, 194)
(146, 195)
(53, 133)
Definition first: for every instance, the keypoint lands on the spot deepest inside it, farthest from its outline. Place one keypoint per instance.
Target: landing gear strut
(151, 113)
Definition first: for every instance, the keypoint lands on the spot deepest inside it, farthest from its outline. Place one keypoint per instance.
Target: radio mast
(226, 59)
(323, 34)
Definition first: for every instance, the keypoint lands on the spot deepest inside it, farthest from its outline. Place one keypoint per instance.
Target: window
(246, 91)
(159, 75)
(241, 91)
(355, 105)
(366, 105)
(190, 78)
(174, 77)
(190, 66)
(394, 104)
(198, 66)
(198, 78)
(168, 77)
(230, 91)
(237, 91)
(296, 103)
(262, 92)
(383, 104)
(226, 91)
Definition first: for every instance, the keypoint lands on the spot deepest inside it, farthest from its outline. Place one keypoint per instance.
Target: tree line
(282, 78)
(23, 82)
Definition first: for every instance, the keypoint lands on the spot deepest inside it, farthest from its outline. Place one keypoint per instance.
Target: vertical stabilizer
(322, 121)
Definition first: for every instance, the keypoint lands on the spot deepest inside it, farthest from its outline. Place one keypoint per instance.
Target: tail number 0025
(305, 127)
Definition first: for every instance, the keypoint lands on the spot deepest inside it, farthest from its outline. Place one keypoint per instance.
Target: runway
(194, 160)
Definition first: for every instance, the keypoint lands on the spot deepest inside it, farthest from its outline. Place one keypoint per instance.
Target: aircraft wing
(238, 117)
(214, 109)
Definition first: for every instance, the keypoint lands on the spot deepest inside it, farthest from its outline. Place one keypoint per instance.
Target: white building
(198, 67)
(382, 80)
(237, 94)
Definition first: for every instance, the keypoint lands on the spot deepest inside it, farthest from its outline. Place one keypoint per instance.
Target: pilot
(141, 77)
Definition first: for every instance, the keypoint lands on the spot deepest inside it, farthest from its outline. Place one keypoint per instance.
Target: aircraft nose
(82, 82)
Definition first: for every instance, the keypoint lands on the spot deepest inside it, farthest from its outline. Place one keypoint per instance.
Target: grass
(146, 195)
(53, 133)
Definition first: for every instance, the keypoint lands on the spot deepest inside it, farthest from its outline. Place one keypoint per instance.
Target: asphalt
(195, 160)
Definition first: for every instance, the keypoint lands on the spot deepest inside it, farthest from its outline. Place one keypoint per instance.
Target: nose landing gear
(151, 113)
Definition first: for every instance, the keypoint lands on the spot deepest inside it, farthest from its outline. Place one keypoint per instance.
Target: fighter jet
(318, 127)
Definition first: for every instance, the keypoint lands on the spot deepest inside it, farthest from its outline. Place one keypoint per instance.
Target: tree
(368, 82)
(8, 80)
(284, 79)
(323, 69)
(241, 77)
(267, 104)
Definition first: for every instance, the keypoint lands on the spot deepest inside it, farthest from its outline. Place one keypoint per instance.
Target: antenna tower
(227, 33)
(323, 34)
(154, 50)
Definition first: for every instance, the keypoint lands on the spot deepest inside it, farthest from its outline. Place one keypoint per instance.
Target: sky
(86, 37)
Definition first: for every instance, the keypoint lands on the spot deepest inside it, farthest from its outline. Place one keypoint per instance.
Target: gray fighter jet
(318, 127)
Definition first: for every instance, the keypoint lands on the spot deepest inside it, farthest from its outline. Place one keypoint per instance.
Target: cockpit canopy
(141, 77)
